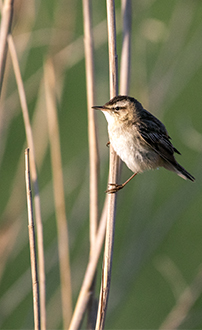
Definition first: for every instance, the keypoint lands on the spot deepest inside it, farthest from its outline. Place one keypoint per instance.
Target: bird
(139, 139)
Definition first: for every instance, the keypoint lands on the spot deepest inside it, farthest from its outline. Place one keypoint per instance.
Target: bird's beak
(99, 107)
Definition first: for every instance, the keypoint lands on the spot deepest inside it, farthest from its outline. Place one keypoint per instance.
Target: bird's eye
(117, 108)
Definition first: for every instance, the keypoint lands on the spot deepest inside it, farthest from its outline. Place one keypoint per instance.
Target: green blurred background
(157, 253)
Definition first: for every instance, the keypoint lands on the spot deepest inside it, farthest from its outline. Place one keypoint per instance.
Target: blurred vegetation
(158, 243)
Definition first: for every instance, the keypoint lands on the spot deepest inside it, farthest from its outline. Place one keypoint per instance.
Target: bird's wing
(155, 135)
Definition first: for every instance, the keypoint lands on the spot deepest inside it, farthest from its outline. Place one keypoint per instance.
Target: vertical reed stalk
(126, 51)
(30, 143)
(33, 258)
(92, 137)
(113, 173)
(93, 147)
(59, 196)
(126, 47)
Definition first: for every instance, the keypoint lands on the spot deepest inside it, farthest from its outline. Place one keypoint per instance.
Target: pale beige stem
(33, 258)
(113, 173)
(84, 294)
(126, 47)
(93, 146)
(33, 171)
(126, 9)
(59, 196)
(6, 21)
(92, 136)
(184, 304)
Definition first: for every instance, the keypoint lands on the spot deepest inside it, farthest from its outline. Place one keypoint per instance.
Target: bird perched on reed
(139, 138)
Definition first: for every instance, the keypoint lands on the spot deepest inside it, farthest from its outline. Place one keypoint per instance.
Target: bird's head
(119, 110)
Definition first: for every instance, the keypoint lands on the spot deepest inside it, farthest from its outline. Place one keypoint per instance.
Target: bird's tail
(178, 169)
(183, 173)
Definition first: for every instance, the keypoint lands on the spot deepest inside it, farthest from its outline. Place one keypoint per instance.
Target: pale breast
(137, 155)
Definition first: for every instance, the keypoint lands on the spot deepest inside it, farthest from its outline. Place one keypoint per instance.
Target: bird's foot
(116, 187)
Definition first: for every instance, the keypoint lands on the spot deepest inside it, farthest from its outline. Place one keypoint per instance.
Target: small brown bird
(139, 138)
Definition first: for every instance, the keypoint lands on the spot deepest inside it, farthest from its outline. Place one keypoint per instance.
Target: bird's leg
(118, 186)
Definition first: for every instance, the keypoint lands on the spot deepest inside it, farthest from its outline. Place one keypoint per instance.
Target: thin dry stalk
(7, 14)
(126, 47)
(90, 273)
(33, 259)
(30, 142)
(183, 305)
(59, 196)
(92, 136)
(126, 52)
(113, 173)
(93, 146)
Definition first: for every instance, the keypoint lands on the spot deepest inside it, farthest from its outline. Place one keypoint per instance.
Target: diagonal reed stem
(59, 196)
(184, 304)
(7, 14)
(84, 293)
(30, 142)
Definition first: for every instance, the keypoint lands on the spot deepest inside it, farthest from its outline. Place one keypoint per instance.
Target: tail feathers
(177, 168)
(183, 173)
